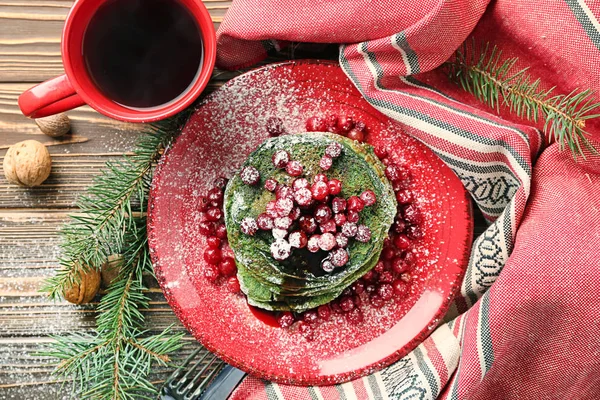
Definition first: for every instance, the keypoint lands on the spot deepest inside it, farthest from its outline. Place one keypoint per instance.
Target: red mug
(76, 87)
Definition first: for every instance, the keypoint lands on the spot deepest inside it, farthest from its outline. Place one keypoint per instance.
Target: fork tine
(177, 372)
(219, 364)
(194, 382)
(186, 377)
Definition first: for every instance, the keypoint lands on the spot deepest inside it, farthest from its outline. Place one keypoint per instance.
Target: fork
(189, 386)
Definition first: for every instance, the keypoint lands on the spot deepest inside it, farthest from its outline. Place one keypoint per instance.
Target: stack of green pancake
(297, 283)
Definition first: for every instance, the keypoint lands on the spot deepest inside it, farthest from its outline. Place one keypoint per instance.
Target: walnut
(111, 268)
(85, 289)
(54, 125)
(27, 163)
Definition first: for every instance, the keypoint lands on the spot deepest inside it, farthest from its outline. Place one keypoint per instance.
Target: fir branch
(494, 81)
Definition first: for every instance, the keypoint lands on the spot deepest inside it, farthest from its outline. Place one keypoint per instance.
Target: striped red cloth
(525, 325)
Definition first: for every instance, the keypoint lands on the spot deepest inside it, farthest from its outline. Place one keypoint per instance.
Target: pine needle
(494, 81)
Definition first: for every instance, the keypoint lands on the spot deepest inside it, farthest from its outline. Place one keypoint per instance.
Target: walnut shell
(27, 163)
(111, 268)
(54, 125)
(84, 290)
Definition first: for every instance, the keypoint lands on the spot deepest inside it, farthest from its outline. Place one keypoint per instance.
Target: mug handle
(50, 97)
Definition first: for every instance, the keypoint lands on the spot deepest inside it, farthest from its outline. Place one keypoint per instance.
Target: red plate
(222, 132)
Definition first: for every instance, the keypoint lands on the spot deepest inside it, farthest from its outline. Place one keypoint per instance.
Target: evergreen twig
(494, 81)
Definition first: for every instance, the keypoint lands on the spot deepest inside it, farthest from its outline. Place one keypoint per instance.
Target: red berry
(295, 213)
(349, 229)
(335, 186)
(388, 253)
(316, 124)
(335, 307)
(324, 312)
(249, 226)
(331, 121)
(228, 267)
(409, 258)
(206, 228)
(412, 214)
(398, 265)
(393, 173)
(323, 213)
(339, 257)
(325, 163)
(405, 277)
(275, 126)
(399, 226)
(211, 273)
(345, 123)
(355, 316)
(284, 192)
(341, 239)
(400, 287)
(355, 204)
(363, 234)
(386, 277)
(233, 285)
(370, 288)
(280, 249)
(270, 185)
(310, 317)
(279, 233)
(307, 224)
(215, 195)
(221, 231)
(220, 182)
(306, 331)
(339, 219)
(250, 175)
(334, 150)
(212, 256)
(328, 226)
(280, 158)
(313, 243)
(282, 222)
(286, 319)
(203, 203)
(264, 222)
(381, 152)
(303, 197)
(376, 301)
(360, 125)
(298, 239)
(213, 242)
(327, 265)
(415, 232)
(404, 197)
(300, 183)
(402, 242)
(319, 191)
(358, 287)
(357, 135)
(294, 168)
(320, 178)
(271, 209)
(346, 303)
(327, 241)
(368, 197)
(385, 291)
(370, 276)
(338, 205)
(214, 214)
(284, 207)
(379, 267)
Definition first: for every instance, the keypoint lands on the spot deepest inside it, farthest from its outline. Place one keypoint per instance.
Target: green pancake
(295, 284)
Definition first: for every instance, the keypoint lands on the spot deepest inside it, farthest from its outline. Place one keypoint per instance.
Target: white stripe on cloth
(277, 391)
(589, 14)
(448, 346)
(394, 40)
(317, 392)
(349, 392)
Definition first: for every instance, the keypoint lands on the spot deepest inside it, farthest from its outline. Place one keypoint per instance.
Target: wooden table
(30, 32)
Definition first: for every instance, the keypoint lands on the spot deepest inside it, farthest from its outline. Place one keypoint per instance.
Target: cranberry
(349, 229)
(306, 330)
(368, 197)
(398, 265)
(271, 209)
(328, 226)
(370, 288)
(386, 161)
(415, 232)
(294, 168)
(303, 197)
(275, 126)
(358, 287)
(404, 197)
(381, 152)
(228, 267)
(211, 273)
(320, 178)
(400, 287)
(388, 253)
(221, 231)
(339, 219)
(298, 239)
(412, 214)
(300, 183)
(355, 316)
(250, 175)
(313, 243)
(355, 204)
(319, 191)
(399, 226)
(284, 207)
(409, 258)
(352, 216)
(386, 277)
(327, 265)
(284, 192)
(360, 125)
(295, 213)
(339, 257)
(402, 242)
(376, 301)
(334, 150)
(206, 228)
(215, 195)
(335, 307)
(280, 158)
(279, 233)
(331, 121)
(393, 173)
(325, 163)
(310, 317)
(308, 224)
(341, 239)
(324, 312)
(323, 213)
(379, 267)
(220, 182)
(212, 256)
(249, 226)
(316, 124)
(286, 319)
(370, 276)
(214, 214)
(363, 234)
(405, 277)
(347, 292)
(327, 241)
(264, 222)
(203, 203)
(357, 135)
(338, 204)
(282, 222)
(357, 300)
(280, 249)
(346, 303)
(233, 285)
(270, 185)
(345, 123)
(213, 242)
(335, 186)
(385, 291)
